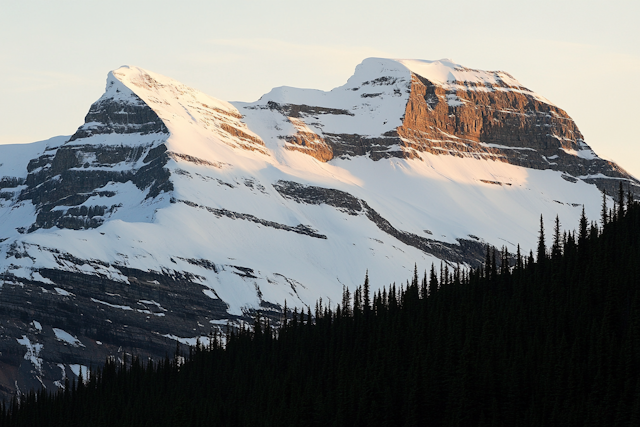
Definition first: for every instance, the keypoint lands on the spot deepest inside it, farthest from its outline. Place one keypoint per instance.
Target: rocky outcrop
(70, 319)
(59, 183)
(299, 229)
(108, 116)
(502, 124)
(467, 251)
(308, 142)
(382, 147)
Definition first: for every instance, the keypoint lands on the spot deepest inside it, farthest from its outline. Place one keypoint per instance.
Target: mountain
(170, 213)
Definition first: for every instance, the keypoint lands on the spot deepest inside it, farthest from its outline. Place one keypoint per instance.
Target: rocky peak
(119, 110)
(402, 108)
(471, 113)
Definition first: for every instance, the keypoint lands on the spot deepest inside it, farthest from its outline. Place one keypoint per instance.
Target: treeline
(550, 340)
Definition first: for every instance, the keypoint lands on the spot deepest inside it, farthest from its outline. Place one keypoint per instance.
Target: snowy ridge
(451, 75)
(185, 111)
(370, 105)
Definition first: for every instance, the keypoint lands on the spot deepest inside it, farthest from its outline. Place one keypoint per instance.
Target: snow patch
(121, 307)
(204, 340)
(60, 383)
(77, 369)
(209, 293)
(67, 337)
(62, 292)
(587, 154)
(33, 352)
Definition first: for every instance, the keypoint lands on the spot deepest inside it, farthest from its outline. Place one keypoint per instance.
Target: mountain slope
(169, 213)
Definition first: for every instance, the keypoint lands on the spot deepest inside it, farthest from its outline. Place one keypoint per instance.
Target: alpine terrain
(169, 213)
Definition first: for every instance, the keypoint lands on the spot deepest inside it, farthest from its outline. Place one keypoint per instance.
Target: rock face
(77, 329)
(169, 214)
(60, 184)
(109, 116)
(464, 251)
(500, 122)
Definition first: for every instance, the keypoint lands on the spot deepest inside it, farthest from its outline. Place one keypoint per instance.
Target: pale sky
(584, 55)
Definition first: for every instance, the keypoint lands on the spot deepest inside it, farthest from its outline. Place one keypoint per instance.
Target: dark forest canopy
(518, 342)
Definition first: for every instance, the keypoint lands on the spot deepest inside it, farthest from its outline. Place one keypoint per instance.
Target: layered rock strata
(461, 112)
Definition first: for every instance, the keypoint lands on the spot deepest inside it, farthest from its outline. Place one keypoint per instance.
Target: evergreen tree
(603, 214)
(346, 302)
(519, 262)
(433, 280)
(556, 249)
(620, 201)
(366, 291)
(542, 248)
(582, 227)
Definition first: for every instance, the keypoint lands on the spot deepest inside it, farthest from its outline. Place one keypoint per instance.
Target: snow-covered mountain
(169, 212)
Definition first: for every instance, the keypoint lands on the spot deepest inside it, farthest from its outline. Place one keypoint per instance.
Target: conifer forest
(550, 338)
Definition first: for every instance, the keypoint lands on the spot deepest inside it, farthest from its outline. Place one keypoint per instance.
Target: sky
(583, 55)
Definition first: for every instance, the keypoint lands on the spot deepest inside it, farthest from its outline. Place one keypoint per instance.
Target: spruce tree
(582, 227)
(620, 201)
(603, 214)
(519, 263)
(556, 249)
(346, 302)
(366, 296)
(542, 248)
(433, 280)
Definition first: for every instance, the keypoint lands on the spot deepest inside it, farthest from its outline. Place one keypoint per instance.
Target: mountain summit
(170, 213)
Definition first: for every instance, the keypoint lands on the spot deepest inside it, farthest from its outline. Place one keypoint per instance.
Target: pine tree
(433, 280)
(424, 286)
(487, 264)
(603, 214)
(620, 201)
(284, 314)
(519, 263)
(542, 248)
(582, 228)
(504, 261)
(494, 265)
(556, 249)
(366, 291)
(346, 302)
(357, 301)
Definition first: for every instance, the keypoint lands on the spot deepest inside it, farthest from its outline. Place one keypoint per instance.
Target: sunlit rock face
(169, 214)
(499, 119)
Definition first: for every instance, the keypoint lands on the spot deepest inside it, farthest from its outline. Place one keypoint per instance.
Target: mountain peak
(163, 94)
(138, 101)
(445, 72)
